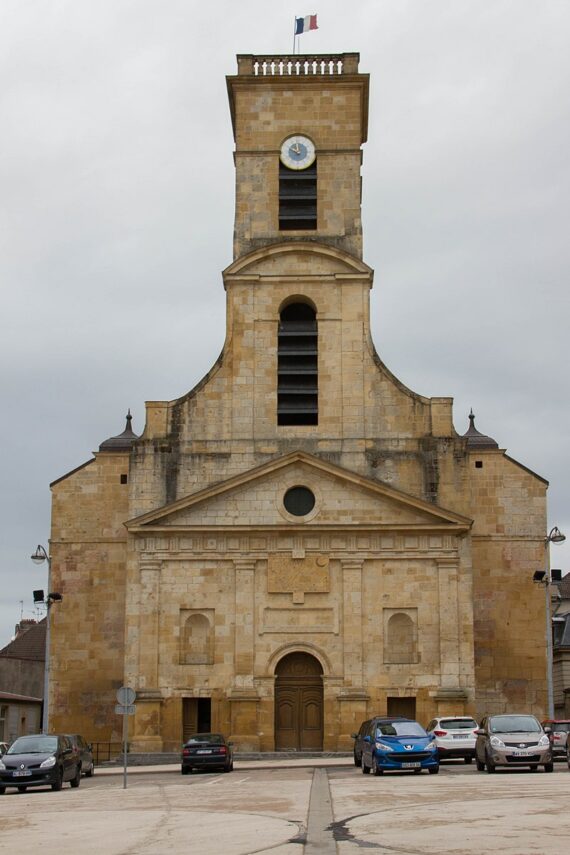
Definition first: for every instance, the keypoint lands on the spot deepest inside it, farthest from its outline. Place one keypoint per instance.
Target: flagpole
(294, 28)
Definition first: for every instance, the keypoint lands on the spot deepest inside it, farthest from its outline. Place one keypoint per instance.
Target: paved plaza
(294, 807)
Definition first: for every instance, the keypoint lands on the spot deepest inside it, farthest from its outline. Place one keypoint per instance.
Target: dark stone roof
(123, 441)
(8, 696)
(564, 587)
(475, 439)
(28, 644)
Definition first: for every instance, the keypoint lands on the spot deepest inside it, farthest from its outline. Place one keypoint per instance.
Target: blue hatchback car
(398, 743)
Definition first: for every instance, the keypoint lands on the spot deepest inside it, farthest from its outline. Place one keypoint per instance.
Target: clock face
(298, 152)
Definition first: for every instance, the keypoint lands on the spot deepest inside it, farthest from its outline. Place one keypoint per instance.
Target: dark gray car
(39, 760)
(512, 740)
(83, 752)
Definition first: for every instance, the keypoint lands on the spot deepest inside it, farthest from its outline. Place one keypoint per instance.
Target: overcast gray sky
(117, 190)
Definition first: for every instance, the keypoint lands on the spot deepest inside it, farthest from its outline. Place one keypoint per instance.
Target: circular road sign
(126, 695)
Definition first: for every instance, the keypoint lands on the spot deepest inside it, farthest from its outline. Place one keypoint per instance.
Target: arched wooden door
(299, 703)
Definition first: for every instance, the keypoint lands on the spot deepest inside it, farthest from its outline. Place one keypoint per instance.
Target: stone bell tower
(299, 124)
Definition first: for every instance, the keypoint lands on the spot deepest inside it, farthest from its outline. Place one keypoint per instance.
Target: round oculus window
(299, 501)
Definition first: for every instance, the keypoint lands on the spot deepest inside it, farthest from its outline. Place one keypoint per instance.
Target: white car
(455, 736)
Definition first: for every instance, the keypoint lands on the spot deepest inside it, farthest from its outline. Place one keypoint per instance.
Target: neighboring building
(300, 541)
(22, 664)
(561, 648)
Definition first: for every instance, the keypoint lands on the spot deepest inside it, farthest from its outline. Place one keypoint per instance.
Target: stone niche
(196, 636)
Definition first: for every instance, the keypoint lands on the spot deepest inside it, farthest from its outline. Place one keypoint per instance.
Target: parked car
(512, 740)
(37, 760)
(207, 751)
(454, 736)
(83, 750)
(358, 739)
(398, 743)
(560, 729)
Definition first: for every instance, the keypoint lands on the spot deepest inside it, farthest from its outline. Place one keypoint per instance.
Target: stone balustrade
(297, 65)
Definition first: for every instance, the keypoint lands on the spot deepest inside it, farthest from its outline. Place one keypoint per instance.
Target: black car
(39, 760)
(365, 728)
(207, 751)
(83, 752)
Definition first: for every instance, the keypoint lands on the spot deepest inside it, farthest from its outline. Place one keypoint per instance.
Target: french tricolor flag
(303, 25)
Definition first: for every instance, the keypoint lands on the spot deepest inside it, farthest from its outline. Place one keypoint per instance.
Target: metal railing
(105, 751)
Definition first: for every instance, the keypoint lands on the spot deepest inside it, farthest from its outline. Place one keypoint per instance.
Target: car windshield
(215, 738)
(401, 728)
(458, 723)
(514, 724)
(33, 745)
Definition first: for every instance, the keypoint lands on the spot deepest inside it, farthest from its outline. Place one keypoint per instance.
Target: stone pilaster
(449, 623)
(352, 623)
(244, 622)
(149, 609)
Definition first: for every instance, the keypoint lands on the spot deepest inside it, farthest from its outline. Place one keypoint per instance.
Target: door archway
(298, 703)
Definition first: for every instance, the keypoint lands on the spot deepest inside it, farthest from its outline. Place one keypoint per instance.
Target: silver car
(513, 741)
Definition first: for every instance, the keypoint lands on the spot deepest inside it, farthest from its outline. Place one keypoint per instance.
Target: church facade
(300, 542)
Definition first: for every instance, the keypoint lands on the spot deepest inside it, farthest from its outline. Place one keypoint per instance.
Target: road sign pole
(125, 741)
(125, 707)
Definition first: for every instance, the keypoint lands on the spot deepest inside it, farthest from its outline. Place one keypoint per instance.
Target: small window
(478, 464)
(299, 501)
(124, 479)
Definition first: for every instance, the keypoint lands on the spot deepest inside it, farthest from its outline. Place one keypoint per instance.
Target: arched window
(197, 643)
(297, 366)
(400, 644)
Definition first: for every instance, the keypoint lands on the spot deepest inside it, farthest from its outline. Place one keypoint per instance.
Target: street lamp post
(542, 577)
(39, 556)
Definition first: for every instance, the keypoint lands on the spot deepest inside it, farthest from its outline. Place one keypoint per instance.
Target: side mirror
(548, 729)
(480, 731)
(367, 739)
(354, 736)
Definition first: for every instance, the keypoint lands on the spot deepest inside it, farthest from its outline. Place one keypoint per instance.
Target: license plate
(519, 753)
(460, 736)
(22, 773)
(411, 765)
(204, 751)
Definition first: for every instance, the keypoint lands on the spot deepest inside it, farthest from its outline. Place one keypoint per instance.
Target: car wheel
(490, 766)
(227, 768)
(2, 790)
(480, 766)
(184, 770)
(376, 770)
(90, 772)
(77, 779)
(365, 768)
(433, 770)
(549, 767)
(22, 789)
(467, 759)
(58, 783)
(357, 762)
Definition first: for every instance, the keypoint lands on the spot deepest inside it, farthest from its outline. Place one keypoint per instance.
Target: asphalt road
(295, 809)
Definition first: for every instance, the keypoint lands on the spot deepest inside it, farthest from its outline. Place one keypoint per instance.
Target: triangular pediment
(297, 258)
(343, 499)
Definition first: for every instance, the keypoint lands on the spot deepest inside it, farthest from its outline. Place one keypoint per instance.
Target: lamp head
(38, 596)
(538, 575)
(40, 555)
(555, 536)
